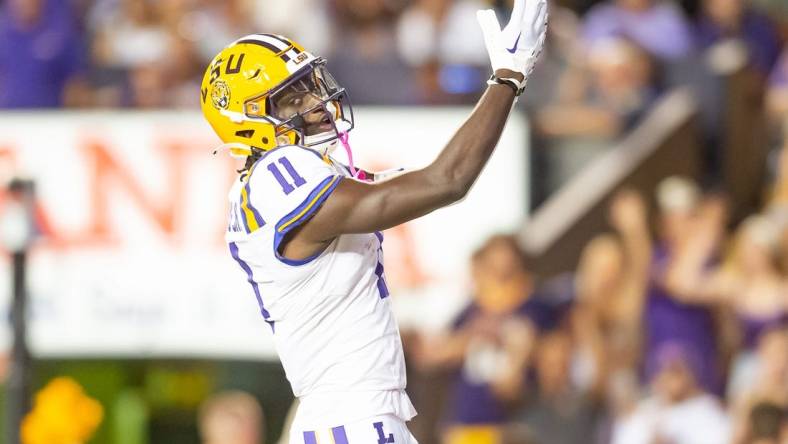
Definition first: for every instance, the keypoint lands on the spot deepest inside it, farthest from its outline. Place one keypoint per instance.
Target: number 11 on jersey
(286, 186)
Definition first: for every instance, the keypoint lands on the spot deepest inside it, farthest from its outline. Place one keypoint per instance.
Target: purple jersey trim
(315, 203)
(250, 278)
(382, 288)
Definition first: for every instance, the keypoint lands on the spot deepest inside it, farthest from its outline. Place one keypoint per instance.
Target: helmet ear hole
(265, 140)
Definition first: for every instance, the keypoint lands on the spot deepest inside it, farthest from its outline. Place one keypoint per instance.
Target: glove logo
(514, 48)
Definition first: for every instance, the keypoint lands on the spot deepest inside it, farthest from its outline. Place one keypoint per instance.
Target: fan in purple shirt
(658, 27)
(489, 345)
(723, 19)
(40, 53)
(670, 317)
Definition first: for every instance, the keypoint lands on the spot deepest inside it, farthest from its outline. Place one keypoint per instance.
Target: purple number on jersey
(382, 438)
(286, 186)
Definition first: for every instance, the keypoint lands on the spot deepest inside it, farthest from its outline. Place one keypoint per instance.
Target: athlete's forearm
(357, 207)
(459, 164)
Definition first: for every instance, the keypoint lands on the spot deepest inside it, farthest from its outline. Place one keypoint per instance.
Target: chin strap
(237, 150)
(358, 174)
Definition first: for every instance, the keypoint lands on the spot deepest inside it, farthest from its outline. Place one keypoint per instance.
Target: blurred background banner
(132, 207)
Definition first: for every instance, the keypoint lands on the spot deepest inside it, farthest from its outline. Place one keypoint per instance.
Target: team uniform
(275, 104)
(330, 313)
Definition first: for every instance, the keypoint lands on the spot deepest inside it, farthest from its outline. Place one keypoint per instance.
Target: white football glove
(517, 46)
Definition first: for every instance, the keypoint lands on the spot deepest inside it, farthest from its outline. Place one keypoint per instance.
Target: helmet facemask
(310, 105)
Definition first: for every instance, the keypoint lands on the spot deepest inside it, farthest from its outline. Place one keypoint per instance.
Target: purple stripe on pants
(340, 437)
(309, 438)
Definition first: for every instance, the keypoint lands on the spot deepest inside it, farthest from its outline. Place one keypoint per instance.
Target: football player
(306, 230)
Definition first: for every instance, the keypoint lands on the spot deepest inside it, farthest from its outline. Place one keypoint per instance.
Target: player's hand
(517, 46)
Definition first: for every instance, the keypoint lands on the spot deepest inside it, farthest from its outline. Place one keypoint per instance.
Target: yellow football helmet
(264, 90)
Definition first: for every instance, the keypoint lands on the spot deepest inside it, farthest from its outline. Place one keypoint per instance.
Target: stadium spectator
(491, 343)
(42, 59)
(611, 283)
(147, 86)
(777, 93)
(365, 56)
(778, 197)
(767, 424)
(129, 47)
(657, 26)
(605, 324)
(766, 381)
(777, 205)
(559, 74)
(679, 411)
(213, 25)
(182, 74)
(556, 409)
(777, 9)
(312, 30)
(757, 292)
(689, 232)
(133, 34)
(443, 34)
(574, 130)
(755, 287)
(724, 19)
(231, 417)
(749, 284)
(559, 77)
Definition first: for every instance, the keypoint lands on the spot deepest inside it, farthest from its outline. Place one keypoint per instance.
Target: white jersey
(330, 313)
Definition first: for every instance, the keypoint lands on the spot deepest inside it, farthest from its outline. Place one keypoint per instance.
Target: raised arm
(688, 277)
(356, 207)
(629, 216)
(359, 207)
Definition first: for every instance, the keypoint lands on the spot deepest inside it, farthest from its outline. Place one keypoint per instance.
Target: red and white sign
(133, 208)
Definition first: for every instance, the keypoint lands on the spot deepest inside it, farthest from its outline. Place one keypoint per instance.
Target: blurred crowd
(606, 55)
(678, 337)
(605, 64)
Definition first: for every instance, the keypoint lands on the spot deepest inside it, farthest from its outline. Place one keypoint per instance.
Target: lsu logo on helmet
(246, 88)
(220, 95)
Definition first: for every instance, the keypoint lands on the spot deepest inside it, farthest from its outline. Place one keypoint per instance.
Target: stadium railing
(711, 129)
